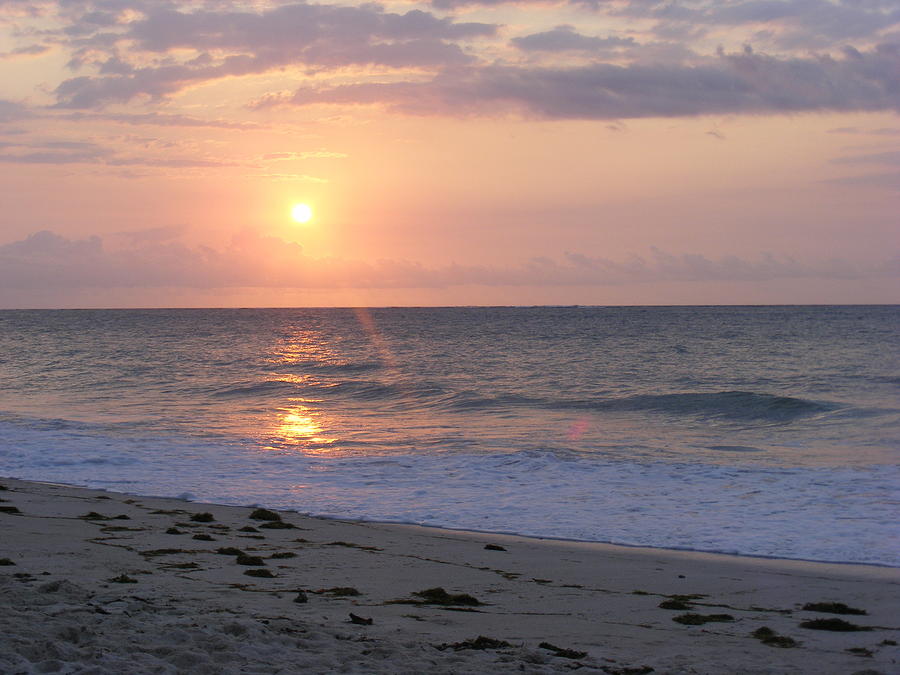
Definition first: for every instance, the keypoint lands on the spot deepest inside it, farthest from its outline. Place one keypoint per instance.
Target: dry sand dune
(95, 582)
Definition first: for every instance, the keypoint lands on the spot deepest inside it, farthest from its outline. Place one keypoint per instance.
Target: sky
(453, 152)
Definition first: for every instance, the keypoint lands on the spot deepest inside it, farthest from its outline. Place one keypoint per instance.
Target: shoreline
(462, 530)
(601, 601)
(600, 546)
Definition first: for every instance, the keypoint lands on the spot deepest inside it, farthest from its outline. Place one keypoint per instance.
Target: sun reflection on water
(300, 425)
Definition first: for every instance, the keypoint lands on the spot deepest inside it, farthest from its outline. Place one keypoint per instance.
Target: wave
(738, 405)
(735, 405)
(256, 389)
(325, 368)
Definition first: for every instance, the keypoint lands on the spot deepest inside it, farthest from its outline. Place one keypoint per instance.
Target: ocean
(764, 431)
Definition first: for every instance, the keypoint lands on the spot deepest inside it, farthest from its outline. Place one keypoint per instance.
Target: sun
(301, 213)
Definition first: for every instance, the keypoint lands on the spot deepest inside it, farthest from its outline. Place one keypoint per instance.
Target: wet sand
(101, 582)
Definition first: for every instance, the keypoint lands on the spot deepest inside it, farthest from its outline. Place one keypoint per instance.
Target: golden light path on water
(299, 423)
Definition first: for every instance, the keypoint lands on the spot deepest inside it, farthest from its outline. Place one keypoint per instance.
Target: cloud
(87, 152)
(791, 24)
(11, 111)
(566, 38)
(883, 131)
(160, 119)
(740, 82)
(313, 154)
(236, 43)
(890, 157)
(153, 259)
(29, 50)
(890, 181)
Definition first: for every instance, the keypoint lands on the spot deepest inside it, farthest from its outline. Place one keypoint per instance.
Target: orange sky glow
(451, 152)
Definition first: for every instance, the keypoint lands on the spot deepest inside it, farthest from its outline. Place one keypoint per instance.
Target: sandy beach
(101, 582)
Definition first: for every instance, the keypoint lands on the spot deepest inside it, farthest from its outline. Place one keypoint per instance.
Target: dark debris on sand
(205, 517)
(562, 652)
(481, 642)
(769, 637)
(122, 579)
(438, 596)
(265, 514)
(833, 624)
(339, 592)
(700, 619)
(833, 608)
(277, 525)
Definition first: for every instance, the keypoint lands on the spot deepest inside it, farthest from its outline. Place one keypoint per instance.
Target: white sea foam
(800, 512)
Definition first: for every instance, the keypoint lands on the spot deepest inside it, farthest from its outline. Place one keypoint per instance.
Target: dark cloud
(792, 24)
(744, 82)
(566, 38)
(153, 259)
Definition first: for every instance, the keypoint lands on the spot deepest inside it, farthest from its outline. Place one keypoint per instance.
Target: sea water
(768, 431)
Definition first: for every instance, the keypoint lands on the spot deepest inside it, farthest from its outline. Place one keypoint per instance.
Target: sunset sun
(301, 213)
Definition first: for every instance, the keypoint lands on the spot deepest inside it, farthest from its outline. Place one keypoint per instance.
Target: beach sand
(99, 582)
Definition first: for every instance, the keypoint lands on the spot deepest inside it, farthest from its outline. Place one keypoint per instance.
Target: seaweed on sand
(833, 624)
(560, 651)
(481, 643)
(833, 608)
(265, 514)
(339, 591)
(348, 544)
(438, 596)
(122, 579)
(769, 637)
(700, 619)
